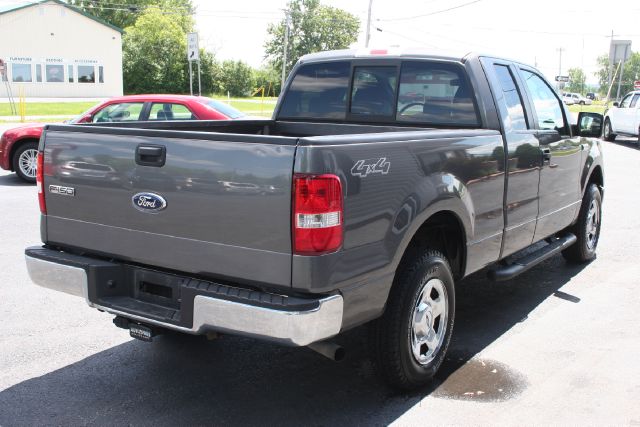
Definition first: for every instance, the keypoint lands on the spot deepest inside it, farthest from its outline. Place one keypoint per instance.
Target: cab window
(547, 106)
(124, 112)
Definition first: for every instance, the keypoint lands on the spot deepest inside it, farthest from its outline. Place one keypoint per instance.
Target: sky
(531, 32)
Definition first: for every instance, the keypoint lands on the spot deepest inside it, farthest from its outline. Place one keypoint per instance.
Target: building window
(70, 73)
(55, 73)
(39, 73)
(86, 74)
(21, 72)
(101, 74)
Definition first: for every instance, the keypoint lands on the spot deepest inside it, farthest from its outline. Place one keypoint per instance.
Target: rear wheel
(25, 160)
(587, 228)
(411, 339)
(607, 133)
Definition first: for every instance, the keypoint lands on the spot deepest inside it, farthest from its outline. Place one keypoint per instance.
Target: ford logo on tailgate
(149, 202)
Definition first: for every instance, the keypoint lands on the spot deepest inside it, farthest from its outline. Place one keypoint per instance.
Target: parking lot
(557, 345)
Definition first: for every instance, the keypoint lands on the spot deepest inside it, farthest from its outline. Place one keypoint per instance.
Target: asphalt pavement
(557, 345)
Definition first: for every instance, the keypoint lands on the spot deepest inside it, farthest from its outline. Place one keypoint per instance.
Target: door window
(634, 101)
(125, 112)
(547, 106)
(511, 97)
(626, 101)
(169, 111)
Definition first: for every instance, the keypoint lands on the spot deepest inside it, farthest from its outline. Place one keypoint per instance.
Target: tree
(630, 74)
(236, 77)
(154, 54)
(124, 13)
(313, 28)
(577, 80)
(269, 78)
(210, 73)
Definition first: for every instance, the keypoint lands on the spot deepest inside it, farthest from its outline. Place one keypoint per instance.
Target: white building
(52, 49)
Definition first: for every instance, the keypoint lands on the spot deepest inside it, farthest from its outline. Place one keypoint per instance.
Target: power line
(431, 13)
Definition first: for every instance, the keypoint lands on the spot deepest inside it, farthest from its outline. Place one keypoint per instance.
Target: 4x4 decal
(362, 168)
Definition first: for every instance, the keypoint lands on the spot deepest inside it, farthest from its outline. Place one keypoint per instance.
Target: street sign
(563, 79)
(636, 85)
(619, 51)
(193, 52)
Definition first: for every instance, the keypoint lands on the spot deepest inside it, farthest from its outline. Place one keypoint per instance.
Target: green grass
(251, 106)
(596, 107)
(49, 108)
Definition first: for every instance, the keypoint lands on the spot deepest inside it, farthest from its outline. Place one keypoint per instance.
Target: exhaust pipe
(329, 349)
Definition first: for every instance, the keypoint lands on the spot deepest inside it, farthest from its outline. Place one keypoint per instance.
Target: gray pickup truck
(382, 179)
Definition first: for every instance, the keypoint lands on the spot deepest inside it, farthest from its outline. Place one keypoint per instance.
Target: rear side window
(511, 97)
(170, 111)
(435, 93)
(634, 101)
(318, 91)
(548, 107)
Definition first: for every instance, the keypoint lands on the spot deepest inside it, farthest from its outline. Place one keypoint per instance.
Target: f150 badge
(362, 168)
(148, 202)
(64, 191)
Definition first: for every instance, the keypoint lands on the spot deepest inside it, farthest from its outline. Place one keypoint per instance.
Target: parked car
(380, 203)
(575, 98)
(568, 99)
(623, 118)
(19, 146)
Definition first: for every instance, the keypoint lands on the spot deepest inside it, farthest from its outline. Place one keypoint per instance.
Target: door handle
(151, 155)
(546, 155)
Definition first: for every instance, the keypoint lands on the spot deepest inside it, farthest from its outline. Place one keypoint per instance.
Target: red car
(19, 146)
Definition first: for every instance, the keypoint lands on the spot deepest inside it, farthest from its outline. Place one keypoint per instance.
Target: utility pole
(560, 49)
(286, 47)
(560, 84)
(611, 60)
(368, 33)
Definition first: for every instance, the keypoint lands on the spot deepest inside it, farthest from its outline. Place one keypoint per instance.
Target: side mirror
(590, 124)
(615, 104)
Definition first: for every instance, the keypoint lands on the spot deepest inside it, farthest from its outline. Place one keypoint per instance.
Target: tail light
(40, 182)
(317, 214)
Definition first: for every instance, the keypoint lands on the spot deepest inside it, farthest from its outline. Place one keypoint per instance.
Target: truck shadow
(626, 142)
(12, 180)
(189, 380)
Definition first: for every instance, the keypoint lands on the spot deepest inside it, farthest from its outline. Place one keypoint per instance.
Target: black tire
(392, 334)
(586, 230)
(607, 133)
(23, 172)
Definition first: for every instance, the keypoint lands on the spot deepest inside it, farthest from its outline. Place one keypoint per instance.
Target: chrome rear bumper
(297, 328)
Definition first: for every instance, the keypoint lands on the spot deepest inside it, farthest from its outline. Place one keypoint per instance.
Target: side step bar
(523, 264)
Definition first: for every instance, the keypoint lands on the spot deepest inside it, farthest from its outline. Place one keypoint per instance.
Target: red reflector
(317, 214)
(378, 52)
(40, 182)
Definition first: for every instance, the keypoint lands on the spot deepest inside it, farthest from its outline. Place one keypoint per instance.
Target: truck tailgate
(228, 199)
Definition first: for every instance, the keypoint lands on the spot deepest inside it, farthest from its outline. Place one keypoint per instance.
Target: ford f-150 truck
(382, 179)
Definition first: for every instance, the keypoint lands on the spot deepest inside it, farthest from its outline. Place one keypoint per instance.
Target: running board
(523, 264)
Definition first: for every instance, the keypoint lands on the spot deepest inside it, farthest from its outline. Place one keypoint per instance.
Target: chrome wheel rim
(27, 162)
(607, 129)
(593, 224)
(429, 321)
